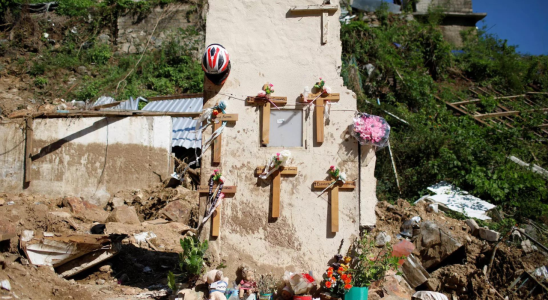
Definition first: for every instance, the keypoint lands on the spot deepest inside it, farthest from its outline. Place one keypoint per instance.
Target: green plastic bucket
(357, 293)
(265, 296)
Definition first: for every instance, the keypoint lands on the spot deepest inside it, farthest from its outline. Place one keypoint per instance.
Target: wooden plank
(276, 181)
(325, 26)
(217, 143)
(275, 99)
(265, 134)
(28, 149)
(226, 117)
(507, 113)
(216, 222)
(226, 189)
(319, 120)
(333, 97)
(334, 193)
(314, 7)
(176, 97)
(320, 184)
(283, 170)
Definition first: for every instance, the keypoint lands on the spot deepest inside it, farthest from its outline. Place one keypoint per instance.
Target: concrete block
(474, 227)
(489, 235)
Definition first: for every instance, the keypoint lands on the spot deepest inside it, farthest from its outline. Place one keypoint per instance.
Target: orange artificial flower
(347, 286)
(328, 284)
(347, 259)
(344, 276)
(333, 279)
(330, 269)
(347, 280)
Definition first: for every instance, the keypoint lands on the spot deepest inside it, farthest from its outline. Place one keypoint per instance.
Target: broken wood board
(87, 261)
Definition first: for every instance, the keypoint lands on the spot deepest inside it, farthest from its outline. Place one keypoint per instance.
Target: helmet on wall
(216, 63)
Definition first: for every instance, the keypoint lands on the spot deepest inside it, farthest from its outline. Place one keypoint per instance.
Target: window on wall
(286, 128)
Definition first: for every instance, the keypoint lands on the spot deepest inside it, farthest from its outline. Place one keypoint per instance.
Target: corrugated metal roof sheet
(183, 128)
(124, 105)
(176, 105)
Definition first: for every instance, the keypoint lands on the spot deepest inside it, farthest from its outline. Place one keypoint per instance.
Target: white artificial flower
(222, 179)
(285, 155)
(261, 94)
(342, 176)
(327, 89)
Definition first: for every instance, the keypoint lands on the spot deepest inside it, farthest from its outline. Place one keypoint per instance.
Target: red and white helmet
(215, 60)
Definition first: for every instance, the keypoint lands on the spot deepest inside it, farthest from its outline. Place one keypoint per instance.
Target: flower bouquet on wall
(371, 130)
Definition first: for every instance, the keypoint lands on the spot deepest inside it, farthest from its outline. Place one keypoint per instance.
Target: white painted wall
(96, 157)
(267, 44)
(12, 156)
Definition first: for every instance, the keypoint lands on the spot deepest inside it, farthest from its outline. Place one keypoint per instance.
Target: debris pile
(455, 257)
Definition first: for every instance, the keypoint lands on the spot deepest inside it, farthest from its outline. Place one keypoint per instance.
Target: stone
(61, 214)
(85, 210)
(382, 239)
(433, 284)
(527, 246)
(177, 211)
(104, 39)
(489, 235)
(2, 201)
(129, 291)
(100, 281)
(105, 268)
(430, 234)
(117, 202)
(5, 285)
(474, 227)
(124, 214)
(82, 70)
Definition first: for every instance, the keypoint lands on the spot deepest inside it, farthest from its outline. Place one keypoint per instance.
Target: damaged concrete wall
(12, 155)
(96, 157)
(134, 30)
(267, 43)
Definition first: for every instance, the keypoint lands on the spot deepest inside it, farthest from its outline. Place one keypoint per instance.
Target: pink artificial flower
(332, 168)
(271, 85)
(215, 171)
(261, 94)
(221, 196)
(320, 78)
(278, 154)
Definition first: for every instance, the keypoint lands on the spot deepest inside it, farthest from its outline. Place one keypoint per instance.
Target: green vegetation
(191, 261)
(415, 78)
(369, 267)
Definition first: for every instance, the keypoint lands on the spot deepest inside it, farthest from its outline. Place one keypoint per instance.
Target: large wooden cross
(217, 122)
(319, 110)
(324, 9)
(265, 112)
(276, 182)
(216, 217)
(334, 195)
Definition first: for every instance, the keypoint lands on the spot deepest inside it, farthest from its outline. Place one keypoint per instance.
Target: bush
(40, 82)
(191, 260)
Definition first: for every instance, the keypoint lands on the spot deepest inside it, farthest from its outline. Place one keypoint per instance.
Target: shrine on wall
(284, 221)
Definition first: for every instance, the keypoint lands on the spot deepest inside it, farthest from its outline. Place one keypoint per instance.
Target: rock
(104, 39)
(130, 291)
(489, 235)
(85, 210)
(2, 201)
(82, 70)
(177, 211)
(5, 284)
(124, 214)
(430, 234)
(100, 281)
(433, 284)
(382, 239)
(61, 214)
(117, 202)
(474, 227)
(105, 268)
(527, 246)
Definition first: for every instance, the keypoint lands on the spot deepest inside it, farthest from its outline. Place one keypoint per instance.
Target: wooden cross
(276, 181)
(324, 9)
(216, 218)
(217, 122)
(319, 110)
(265, 112)
(334, 195)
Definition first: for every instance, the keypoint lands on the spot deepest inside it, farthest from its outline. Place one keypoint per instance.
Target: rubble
(427, 295)
(474, 227)
(382, 239)
(414, 272)
(124, 214)
(85, 210)
(488, 235)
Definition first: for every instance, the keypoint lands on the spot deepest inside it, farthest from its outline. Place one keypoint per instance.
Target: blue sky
(523, 23)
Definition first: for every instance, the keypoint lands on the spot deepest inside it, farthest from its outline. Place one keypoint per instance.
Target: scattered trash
(382, 239)
(414, 272)
(11, 203)
(144, 236)
(428, 295)
(408, 226)
(458, 200)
